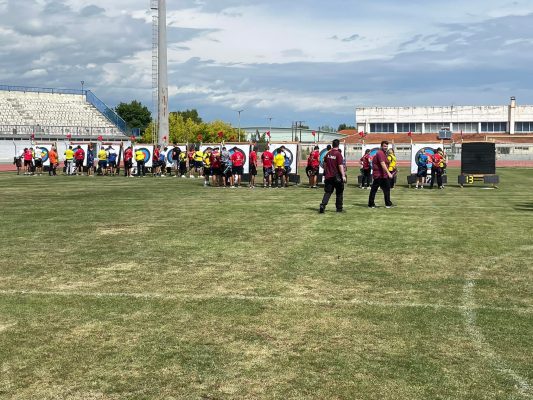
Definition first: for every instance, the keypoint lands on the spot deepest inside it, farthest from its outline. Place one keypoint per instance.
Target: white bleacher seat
(52, 112)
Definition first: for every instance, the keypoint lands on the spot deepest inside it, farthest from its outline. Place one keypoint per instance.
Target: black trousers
(140, 168)
(384, 184)
(436, 172)
(365, 182)
(332, 185)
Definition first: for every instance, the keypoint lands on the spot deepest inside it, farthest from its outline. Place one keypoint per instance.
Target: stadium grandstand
(52, 114)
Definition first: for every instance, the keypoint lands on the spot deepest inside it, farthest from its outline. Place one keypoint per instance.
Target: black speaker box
(478, 158)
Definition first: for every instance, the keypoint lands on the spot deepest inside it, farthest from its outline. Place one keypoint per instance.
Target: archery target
(168, 154)
(45, 149)
(291, 152)
(245, 151)
(84, 147)
(323, 150)
(148, 152)
(417, 152)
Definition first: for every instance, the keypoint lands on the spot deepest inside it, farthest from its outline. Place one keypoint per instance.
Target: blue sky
(301, 60)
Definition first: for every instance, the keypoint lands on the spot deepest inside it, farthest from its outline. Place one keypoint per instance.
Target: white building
(512, 119)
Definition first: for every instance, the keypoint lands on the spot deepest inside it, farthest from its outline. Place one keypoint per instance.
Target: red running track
(455, 163)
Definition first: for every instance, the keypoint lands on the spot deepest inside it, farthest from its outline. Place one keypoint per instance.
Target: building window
(524, 127)
(489, 127)
(409, 127)
(435, 127)
(466, 127)
(381, 128)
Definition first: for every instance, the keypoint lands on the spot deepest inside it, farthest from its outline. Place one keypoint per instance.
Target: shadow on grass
(524, 207)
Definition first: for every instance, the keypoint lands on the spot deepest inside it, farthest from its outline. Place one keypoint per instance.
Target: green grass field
(114, 288)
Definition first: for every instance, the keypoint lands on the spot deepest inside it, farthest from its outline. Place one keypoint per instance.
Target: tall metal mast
(163, 132)
(159, 71)
(155, 65)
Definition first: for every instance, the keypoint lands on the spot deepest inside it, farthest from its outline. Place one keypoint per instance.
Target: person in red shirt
(334, 177)
(128, 161)
(437, 168)
(313, 166)
(79, 156)
(381, 176)
(190, 156)
(267, 159)
(366, 170)
(215, 167)
(28, 161)
(156, 170)
(237, 161)
(253, 166)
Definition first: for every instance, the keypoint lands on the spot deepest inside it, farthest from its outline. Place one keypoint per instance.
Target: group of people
(335, 176)
(366, 168)
(438, 163)
(224, 167)
(219, 166)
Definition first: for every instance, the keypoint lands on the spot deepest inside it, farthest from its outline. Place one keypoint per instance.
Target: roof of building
(353, 137)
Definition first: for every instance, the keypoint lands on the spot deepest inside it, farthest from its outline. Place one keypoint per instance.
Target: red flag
(100, 138)
(362, 134)
(132, 138)
(69, 136)
(165, 138)
(461, 133)
(200, 138)
(410, 134)
(313, 133)
(220, 134)
(268, 133)
(32, 136)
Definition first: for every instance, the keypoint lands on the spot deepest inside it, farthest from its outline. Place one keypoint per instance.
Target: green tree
(343, 127)
(135, 114)
(190, 114)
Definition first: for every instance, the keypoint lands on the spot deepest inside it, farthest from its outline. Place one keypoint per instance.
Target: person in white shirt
(38, 160)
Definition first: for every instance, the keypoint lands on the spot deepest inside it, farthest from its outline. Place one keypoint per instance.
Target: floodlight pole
(163, 132)
(240, 111)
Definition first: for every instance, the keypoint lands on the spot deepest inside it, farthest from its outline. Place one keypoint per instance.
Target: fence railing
(58, 130)
(26, 89)
(110, 114)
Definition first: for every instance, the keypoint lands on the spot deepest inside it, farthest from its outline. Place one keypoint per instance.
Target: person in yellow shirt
(102, 161)
(139, 158)
(198, 162)
(279, 165)
(207, 166)
(393, 169)
(69, 161)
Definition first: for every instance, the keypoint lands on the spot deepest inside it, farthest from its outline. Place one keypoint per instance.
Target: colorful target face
(373, 152)
(169, 155)
(323, 157)
(245, 158)
(45, 154)
(424, 155)
(147, 154)
(288, 154)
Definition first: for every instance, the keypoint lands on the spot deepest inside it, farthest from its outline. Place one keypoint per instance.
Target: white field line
(273, 299)
(484, 348)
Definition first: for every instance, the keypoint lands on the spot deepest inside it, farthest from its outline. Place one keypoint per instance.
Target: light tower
(160, 70)
(163, 74)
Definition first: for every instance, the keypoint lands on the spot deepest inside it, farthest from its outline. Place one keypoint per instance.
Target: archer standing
(334, 177)
(253, 166)
(366, 170)
(381, 176)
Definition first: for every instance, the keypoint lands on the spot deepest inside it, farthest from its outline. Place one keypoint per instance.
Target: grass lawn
(114, 288)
